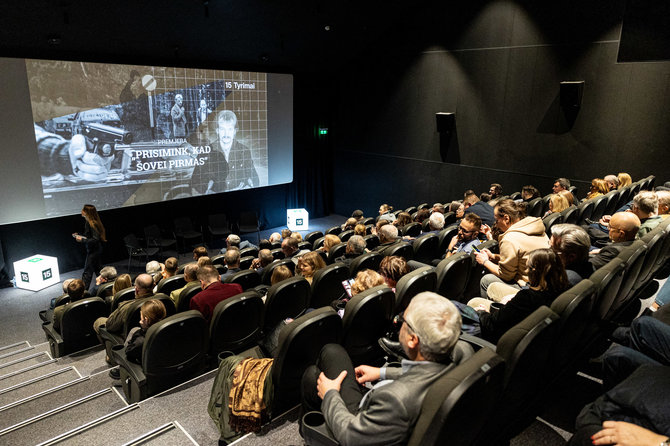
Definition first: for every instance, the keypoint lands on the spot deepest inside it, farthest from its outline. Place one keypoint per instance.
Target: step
(15, 346)
(22, 361)
(52, 399)
(28, 373)
(36, 385)
(169, 434)
(63, 419)
(21, 349)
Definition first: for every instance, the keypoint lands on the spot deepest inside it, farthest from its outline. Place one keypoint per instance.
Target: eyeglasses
(464, 231)
(400, 319)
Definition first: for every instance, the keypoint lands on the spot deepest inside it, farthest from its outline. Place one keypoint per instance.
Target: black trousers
(92, 266)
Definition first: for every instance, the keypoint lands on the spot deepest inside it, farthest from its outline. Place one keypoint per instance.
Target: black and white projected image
(117, 135)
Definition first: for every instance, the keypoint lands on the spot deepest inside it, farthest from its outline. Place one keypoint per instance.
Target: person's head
(612, 182)
(198, 252)
(558, 203)
(431, 327)
(422, 215)
(357, 214)
(285, 233)
(469, 227)
(355, 245)
(152, 267)
(144, 285)
(392, 268)
(506, 213)
(151, 312)
(645, 204)
(310, 263)
(436, 221)
(191, 272)
(275, 237)
(233, 240)
(561, 184)
(568, 196)
(571, 243)
(663, 202)
(121, 283)
(384, 208)
(226, 128)
(66, 282)
(171, 264)
(265, 257)
(623, 226)
(297, 236)
(204, 260)
(90, 213)
(280, 273)
(76, 289)
(360, 229)
(350, 223)
(179, 99)
(232, 258)
(438, 207)
(388, 233)
(598, 187)
(329, 241)
(495, 190)
(264, 244)
(207, 275)
(624, 179)
(470, 199)
(289, 246)
(365, 280)
(107, 274)
(485, 197)
(403, 219)
(529, 192)
(546, 271)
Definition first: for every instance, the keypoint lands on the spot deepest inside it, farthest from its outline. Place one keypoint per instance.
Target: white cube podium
(36, 272)
(297, 219)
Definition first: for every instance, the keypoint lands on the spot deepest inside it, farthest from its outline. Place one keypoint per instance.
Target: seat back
(268, 270)
(599, 206)
(312, 236)
(184, 302)
(299, 345)
(655, 241)
(369, 260)
(411, 284)
(336, 251)
(410, 210)
(535, 207)
(462, 397)
(633, 258)
(571, 215)
(607, 280)
(277, 254)
(250, 251)
(105, 289)
(445, 237)
(371, 241)
(170, 284)
(402, 249)
(426, 248)
(412, 229)
(367, 317)
(552, 219)
(453, 274)
(288, 298)
(422, 206)
(77, 322)
(318, 243)
(612, 201)
(449, 218)
(327, 284)
(335, 230)
(236, 323)
(246, 279)
(246, 261)
(346, 235)
(585, 211)
(122, 296)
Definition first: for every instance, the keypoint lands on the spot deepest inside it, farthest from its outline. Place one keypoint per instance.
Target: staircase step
(54, 424)
(10, 355)
(166, 435)
(15, 346)
(23, 361)
(36, 385)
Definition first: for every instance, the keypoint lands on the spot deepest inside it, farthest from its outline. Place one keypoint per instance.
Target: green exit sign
(323, 131)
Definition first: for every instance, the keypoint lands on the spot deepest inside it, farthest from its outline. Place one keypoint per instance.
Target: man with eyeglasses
(468, 235)
(387, 413)
(622, 229)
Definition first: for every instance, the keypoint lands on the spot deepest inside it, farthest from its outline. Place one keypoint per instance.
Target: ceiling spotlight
(54, 40)
(327, 27)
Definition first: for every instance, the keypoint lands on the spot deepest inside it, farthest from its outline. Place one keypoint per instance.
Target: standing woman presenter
(93, 237)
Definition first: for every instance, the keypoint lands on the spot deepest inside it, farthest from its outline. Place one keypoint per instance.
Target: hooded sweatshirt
(516, 243)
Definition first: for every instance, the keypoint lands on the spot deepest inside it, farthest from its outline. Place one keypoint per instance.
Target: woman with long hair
(93, 237)
(309, 264)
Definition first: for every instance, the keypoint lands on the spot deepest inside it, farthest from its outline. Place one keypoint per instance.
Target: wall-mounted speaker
(446, 122)
(571, 94)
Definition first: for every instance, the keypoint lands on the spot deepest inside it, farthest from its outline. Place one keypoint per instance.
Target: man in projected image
(178, 114)
(229, 165)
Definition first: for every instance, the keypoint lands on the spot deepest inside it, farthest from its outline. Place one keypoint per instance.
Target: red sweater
(206, 300)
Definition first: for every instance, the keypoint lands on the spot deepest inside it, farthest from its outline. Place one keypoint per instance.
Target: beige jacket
(516, 243)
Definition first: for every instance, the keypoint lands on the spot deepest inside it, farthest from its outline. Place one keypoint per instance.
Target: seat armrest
(134, 371)
(315, 432)
(109, 337)
(51, 332)
(476, 342)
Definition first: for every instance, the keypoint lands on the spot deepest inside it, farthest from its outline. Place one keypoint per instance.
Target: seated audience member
(309, 264)
(561, 184)
(485, 197)
(468, 192)
(275, 237)
(663, 203)
(468, 235)
(358, 215)
(75, 289)
(361, 230)
(168, 269)
(622, 229)
(107, 274)
(153, 267)
(264, 259)
(519, 237)
(572, 244)
(280, 273)
(290, 249)
(402, 220)
(234, 241)
(645, 206)
(546, 280)
(296, 235)
(386, 213)
(355, 247)
(439, 207)
(264, 244)
(365, 280)
(473, 205)
(568, 196)
(386, 415)
(285, 233)
(388, 236)
(329, 241)
(190, 275)
(349, 224)
(378, 226)
(213, 291)
(144, 285)
(557, 203)
(624, 180)
(422, 215)
(612, 182)
(199, 251)
(232, 261)
(598, 187)
(496, 191)
(121, 283)
(529, 193)
(392, 268)
(435, 223)
(204, 260)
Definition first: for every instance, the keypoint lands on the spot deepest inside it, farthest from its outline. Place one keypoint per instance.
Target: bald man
(622, 230)
(144, 285)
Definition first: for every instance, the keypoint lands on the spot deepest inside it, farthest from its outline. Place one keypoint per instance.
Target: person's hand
(481, 307)
(255, 263)
(323, 384)
(87, 165)
(452, 243)
(486, 230)
(365, 373)
(78, 238)
(481, 257)
(488, 253)
(621, 433)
